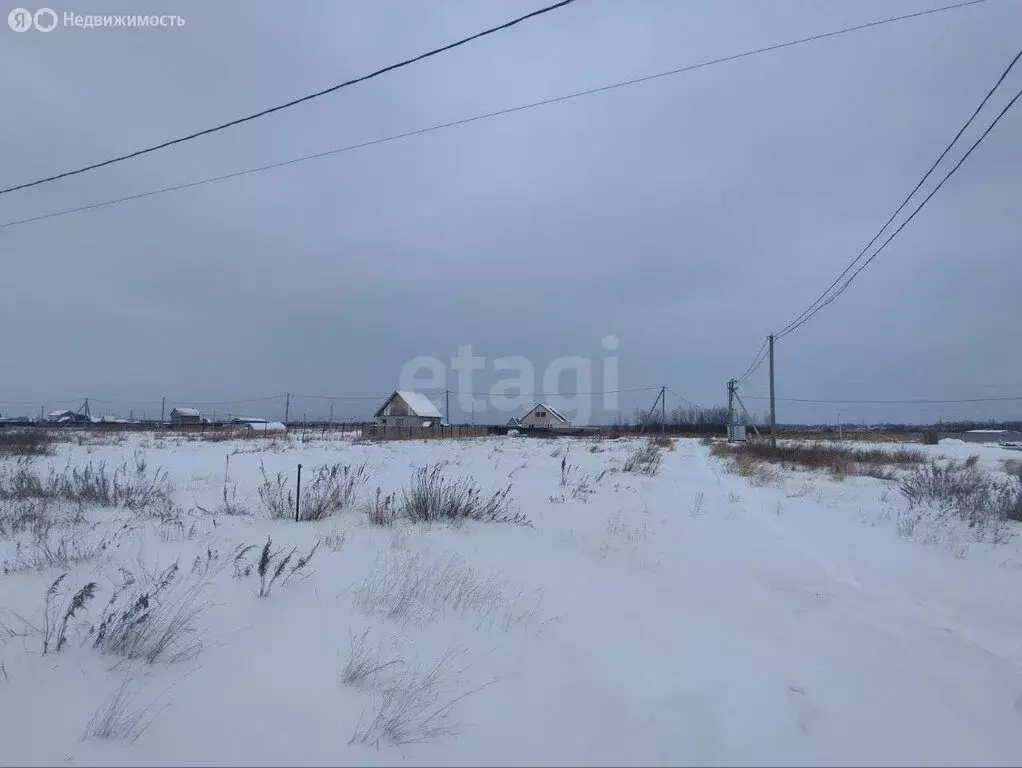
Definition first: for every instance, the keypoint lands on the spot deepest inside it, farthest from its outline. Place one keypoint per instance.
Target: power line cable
(757, 361)
(947, 176)
(685, 399)
(813, 308)
(892, 402)
(293, 102)
(484, 116)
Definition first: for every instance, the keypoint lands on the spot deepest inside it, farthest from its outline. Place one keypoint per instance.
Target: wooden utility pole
(731, 409)
(652, 408)
(287, 408)
(773, 406)
(447, 406)
(331, 414)
(163, 408)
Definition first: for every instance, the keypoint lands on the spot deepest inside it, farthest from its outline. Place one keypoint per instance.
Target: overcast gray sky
(688, 216)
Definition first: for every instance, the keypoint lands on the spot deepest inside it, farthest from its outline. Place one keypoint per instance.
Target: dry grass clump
(840, 461)
(964, 491)
(432, 497)
(26, 442)
(645, 458)
(326, 491)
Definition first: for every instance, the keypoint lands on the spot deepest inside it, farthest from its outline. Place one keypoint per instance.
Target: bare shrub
(415, 706)
(131, 486)
(433, 497)
(960, 490)
(930, 437)
(662, 441)
(645, 459)
(27, 442)
(116, 719)
(332, 489)
(19, 481)
(757, 473)
(277, 499)
(381, 510)
(1013, 467)
(152, 617)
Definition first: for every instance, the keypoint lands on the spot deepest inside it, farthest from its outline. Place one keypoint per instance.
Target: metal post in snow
(298, 495)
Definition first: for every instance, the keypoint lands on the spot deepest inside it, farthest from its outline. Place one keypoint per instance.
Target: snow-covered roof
(185, 411)
(987, 431)
(247, 420)
(58, 414)
(553, 411)
(265, 426)
(417, 403)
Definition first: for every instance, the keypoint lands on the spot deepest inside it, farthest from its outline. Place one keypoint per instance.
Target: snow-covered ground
(683, 618)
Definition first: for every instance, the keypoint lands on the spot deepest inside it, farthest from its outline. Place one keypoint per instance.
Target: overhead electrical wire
(822, 300)
(891, 402)
(292, 103)
(685, 399)
(947, 176)
(757, 361)
(487, 115)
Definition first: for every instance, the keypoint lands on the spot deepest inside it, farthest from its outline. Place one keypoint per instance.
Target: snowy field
(688, 617)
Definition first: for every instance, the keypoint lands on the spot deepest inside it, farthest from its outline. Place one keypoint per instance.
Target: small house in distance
(514, 423)
(185, 416)
(408, 409)
(66, 417)
(544, 417)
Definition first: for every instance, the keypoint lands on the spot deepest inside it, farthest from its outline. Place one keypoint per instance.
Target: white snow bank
(685, 618)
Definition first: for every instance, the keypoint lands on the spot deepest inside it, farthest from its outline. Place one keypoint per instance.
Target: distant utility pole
(163, 408)
(731, 409)
(287, 408)
(652, 408)
(331, 414)
(447, 406)
(773, 407)
(42, 407)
